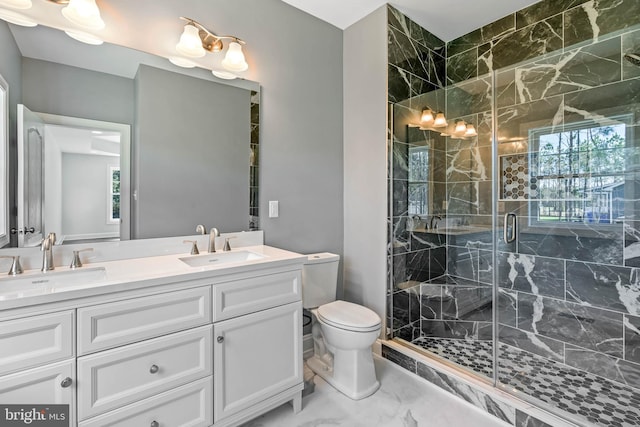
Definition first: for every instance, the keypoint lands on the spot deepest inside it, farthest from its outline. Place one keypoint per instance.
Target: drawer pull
(154, 369)
(66, 382)
(220, 339)
(154, 423)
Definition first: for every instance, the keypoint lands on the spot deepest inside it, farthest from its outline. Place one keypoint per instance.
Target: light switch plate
(273, 209)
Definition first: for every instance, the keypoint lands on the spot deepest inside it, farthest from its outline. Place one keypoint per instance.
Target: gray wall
(84, 195)
(190, 156)
(298, 61)
(53, 88)
(365, 154)
(10, 68)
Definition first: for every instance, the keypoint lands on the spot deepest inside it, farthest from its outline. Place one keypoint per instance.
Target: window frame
(110, 193)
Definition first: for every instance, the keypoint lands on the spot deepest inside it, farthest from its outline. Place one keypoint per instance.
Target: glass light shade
(471, 131)
(85, 37)
(84, 13)
(440, 121)
(427, 117)
(224, 75)
(16, 4)
(461, 127)
(190, 44)
(182, 62)
(17, 18)
(234, 59)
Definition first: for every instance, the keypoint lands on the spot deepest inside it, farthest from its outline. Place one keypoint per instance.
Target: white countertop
(136, 273)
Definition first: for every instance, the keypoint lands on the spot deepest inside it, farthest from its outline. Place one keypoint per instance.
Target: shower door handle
(510, 222)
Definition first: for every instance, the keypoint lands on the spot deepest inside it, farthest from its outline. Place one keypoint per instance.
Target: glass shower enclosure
(515, 242)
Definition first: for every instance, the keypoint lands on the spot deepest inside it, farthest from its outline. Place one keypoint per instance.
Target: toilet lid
(346, 315)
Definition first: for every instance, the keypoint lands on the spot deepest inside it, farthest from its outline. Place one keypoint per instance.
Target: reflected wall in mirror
(194, 138)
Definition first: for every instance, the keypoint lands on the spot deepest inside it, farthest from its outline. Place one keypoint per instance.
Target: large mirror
(132, 146)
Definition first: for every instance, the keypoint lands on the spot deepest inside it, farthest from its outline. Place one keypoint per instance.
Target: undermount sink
(52, 279)
(223, 258)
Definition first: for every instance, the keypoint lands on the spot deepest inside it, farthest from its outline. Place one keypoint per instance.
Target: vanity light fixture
(225, 75)
(196, 40)
(16, 4)
(84, 13)
(17, 18)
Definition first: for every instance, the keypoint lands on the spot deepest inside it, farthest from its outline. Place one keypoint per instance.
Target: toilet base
(355, 383)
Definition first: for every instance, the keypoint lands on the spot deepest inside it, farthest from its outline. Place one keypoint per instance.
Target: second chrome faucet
(213, 233)
(47, 252)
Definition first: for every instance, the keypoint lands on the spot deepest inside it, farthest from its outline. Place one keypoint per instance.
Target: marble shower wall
(568, 293)
(416, 78)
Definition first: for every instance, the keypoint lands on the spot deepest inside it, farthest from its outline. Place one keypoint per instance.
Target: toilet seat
(349, 316)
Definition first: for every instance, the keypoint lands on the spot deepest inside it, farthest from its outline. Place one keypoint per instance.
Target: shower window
(114, 195)
(418, 162)
(578, 174)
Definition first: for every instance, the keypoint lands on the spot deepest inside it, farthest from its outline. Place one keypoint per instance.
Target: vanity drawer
(244, 296)
(123, 375)
(36, 340)
(189, 405)
(123, 322)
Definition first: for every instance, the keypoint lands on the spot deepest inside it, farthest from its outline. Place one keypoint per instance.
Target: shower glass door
(566, 190)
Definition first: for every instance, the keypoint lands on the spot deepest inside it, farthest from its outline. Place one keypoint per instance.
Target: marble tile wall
(416, 78)
(254, 166)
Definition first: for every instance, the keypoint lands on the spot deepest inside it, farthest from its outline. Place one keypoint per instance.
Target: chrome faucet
(47, 252)
(433, 224)
(213, 233)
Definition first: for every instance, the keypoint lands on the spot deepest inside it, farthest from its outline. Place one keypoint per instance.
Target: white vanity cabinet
(211, 350)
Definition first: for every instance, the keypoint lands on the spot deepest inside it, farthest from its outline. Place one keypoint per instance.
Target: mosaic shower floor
(600, 401)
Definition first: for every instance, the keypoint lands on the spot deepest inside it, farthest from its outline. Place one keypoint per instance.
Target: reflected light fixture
(225, 75)
(426, 119)
(440, 121)
(196, 40)
(83, 37)
(471, 131)
(460, 128)
(84, 13)
(16, 4)
(17, 18)
(182, 62)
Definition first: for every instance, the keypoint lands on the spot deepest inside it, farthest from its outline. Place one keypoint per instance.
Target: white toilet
(343, 332)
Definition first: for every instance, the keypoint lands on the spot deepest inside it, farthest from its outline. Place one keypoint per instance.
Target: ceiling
(447, 19)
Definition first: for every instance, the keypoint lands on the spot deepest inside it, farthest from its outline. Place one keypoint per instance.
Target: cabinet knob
(154, 369)
(66, 382)
(220, 339)
(154, 423)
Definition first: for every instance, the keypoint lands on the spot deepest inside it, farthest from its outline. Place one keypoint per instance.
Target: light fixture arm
(210, 41)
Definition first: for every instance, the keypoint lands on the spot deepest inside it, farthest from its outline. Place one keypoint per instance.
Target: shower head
(634, 58)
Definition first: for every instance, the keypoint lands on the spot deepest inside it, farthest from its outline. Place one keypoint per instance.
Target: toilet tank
(319, 279)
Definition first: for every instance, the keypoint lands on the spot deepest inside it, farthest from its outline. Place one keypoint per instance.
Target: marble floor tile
(403, 400)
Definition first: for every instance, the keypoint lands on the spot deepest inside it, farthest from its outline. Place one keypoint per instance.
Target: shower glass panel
(568, 168)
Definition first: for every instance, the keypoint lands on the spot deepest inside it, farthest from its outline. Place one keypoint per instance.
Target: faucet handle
(194, 246)
(75, 262)
(15, 268)
(227, 246)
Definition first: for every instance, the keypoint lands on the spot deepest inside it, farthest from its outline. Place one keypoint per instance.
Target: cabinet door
(255, 357)
(51, 384)
(35, 341)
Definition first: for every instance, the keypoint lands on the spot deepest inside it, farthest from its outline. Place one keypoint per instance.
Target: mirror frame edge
(4, 160)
